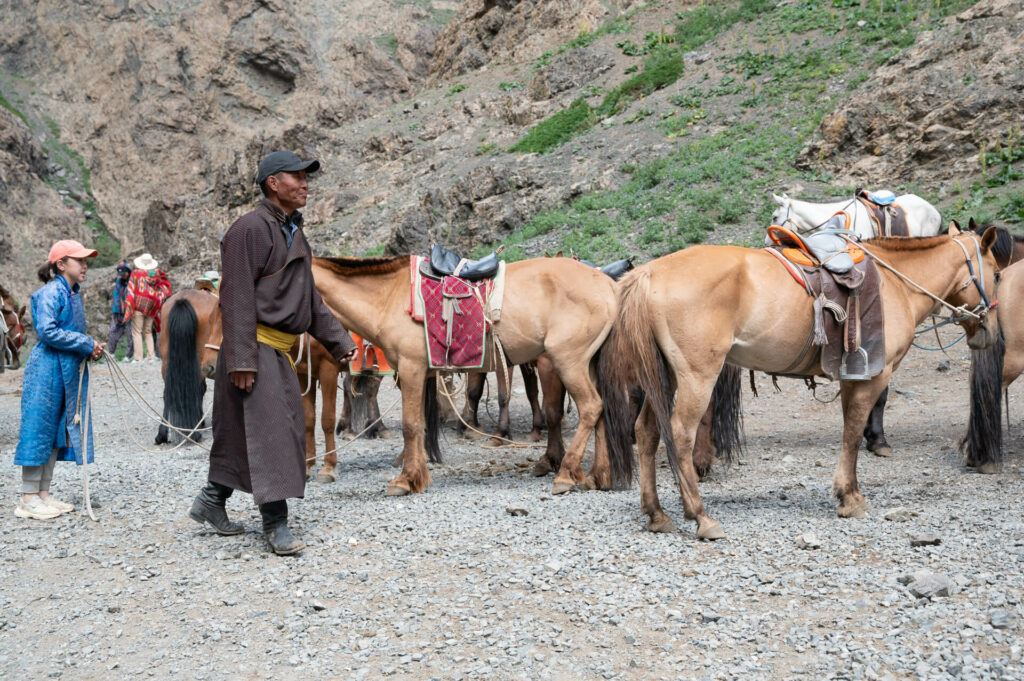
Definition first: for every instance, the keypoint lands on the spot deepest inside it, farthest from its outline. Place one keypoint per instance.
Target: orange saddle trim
(793, 248)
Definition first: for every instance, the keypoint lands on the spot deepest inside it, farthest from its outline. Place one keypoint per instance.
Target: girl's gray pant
(36, 479)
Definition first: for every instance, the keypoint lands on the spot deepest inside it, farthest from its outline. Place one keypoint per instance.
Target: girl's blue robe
(49, 390)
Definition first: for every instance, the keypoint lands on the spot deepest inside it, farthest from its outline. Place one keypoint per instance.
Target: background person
(118, 327)
(142, 304)
(49, 394)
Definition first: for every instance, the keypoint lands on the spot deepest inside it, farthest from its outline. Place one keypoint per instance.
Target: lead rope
(78, 420)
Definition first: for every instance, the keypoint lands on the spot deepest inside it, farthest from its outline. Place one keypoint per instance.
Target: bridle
(789, 208)
(980, 310)
(16, 339)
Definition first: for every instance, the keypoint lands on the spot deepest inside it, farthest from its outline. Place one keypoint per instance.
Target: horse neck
(936, 270)
(362, 301)
(815, 214)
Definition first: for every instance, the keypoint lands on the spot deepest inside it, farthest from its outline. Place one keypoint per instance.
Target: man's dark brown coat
(259, 437)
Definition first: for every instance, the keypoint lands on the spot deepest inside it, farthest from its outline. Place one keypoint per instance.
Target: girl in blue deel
(49, 393)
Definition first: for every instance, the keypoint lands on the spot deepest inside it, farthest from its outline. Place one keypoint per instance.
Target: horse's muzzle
(981, 339)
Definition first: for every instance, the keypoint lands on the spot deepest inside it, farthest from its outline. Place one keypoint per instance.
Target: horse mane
(1002, 249)
(907, 243)
(365, 266)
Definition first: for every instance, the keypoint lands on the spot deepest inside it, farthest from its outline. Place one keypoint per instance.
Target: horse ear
(781, 200)
(954, 228)
(972, 225)
(989, 238)
(21, 312)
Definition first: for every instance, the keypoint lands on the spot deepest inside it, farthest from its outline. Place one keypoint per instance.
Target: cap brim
(308, 166)
(84, 253)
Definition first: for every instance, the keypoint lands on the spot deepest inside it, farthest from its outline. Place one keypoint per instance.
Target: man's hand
(350, 356)
(243, 380)
(97, 351)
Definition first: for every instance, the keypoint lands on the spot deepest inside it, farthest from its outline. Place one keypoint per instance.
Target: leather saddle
(888, 218)
(834, 272)
(826, 247)
(445, 263)
(615, 270)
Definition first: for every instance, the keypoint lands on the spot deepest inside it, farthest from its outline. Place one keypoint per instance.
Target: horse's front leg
(858, 398)
(474, 390)
(874, 431)
(328, 416)
(504, 428)
(415, 476)
(309, 412)
(530, 383)
(647, 437)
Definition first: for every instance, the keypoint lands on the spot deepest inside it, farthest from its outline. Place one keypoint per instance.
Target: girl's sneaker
(35, 509)
(57, 504)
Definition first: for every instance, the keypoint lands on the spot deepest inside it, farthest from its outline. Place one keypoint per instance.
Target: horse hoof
(710, 530)
(852, 511)
(561, 488)
(385, 434)
(884, 451)
(665, 526)
(534, 436)
(988, 468)
(325, 477)
(498, 441)
(395, 491)
(541, 468)
(472, 435)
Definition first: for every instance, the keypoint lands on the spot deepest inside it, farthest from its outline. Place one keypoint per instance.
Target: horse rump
(983, 443)
(184, 385)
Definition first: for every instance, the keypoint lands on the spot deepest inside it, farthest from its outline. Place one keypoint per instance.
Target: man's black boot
(275, 527)
(282, 540)
(209, 508)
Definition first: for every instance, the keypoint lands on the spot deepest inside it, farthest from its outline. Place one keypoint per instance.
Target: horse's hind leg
(693, 395)
(530, 383)
(704, 446)
(345, 421)
(858, 398)
(329, 391)
(554, 398)
(576, 377)
(646, 445)
(874, 431)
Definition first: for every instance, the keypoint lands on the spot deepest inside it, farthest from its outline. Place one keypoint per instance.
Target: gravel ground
(449, 585)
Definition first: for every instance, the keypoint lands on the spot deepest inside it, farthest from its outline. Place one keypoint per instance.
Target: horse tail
(360, 403)
(183, 384)
(432, 412)
(727, 415)
(630, 357)
(984, 439)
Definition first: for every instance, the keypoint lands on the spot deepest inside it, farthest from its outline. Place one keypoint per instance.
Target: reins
(957, 313)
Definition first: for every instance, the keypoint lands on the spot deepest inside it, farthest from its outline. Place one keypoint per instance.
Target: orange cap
(69, 248)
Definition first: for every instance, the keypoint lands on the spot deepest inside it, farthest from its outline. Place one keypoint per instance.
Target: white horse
(803, 216)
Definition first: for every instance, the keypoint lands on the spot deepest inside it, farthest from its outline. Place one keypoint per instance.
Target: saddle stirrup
(857, 369)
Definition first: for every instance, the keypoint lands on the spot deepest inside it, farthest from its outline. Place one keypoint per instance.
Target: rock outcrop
(924, 116)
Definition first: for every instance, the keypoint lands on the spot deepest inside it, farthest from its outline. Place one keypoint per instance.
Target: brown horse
(12, 331)
(992, 372)
(187, 319)
(553, 305)
(316, 366)
(685, 314)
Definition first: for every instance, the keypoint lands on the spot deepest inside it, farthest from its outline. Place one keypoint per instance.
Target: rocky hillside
(602, 127)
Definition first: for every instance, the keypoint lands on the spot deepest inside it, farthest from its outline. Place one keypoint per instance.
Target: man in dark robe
(266, 298)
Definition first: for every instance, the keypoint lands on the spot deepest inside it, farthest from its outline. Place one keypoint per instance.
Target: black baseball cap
(283, 162)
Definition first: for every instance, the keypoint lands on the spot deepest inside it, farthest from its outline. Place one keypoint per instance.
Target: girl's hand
(97, 351)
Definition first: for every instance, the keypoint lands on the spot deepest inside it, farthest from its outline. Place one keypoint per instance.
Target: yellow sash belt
(279, 340)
